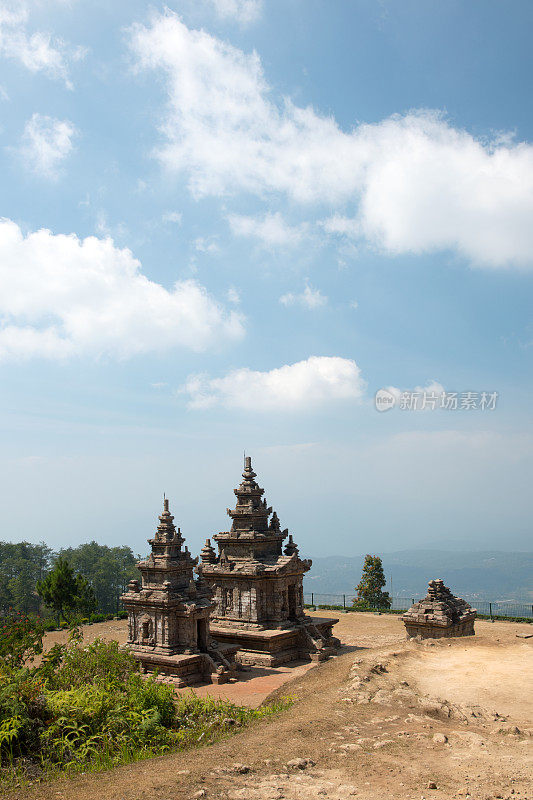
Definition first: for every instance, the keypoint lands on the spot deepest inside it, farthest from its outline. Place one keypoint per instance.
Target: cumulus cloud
(244, 11)
(270, 230)
(309, 384)
(37, 51)
(310, 298)
(419, 184)
(61, 296)
(46, 143)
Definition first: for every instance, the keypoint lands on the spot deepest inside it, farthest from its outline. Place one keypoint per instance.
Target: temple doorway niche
(201, 635)
(146, 629)
(292, 601)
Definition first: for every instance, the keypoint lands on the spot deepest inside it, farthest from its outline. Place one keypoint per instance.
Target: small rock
(201, 793)
(440, 738)
(242, 769)
(300, 763)
(432, 785)
(228, 721)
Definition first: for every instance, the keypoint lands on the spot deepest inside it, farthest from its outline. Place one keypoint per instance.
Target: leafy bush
(21, 639)
(87, 707)
(99, 662)
(97, 617)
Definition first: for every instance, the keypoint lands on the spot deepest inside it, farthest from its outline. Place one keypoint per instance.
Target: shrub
(21, 639)
(88, 708)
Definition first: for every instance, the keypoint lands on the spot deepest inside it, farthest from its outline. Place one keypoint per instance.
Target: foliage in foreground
(86, 707)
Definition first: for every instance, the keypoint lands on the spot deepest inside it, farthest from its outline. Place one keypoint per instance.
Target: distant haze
(486, 575)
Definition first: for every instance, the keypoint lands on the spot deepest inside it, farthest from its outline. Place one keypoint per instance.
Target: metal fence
(490, 608)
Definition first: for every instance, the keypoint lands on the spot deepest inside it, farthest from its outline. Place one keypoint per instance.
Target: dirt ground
(387, 719)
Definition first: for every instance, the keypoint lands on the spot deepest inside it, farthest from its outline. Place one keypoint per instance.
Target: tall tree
(108, 569)
(370, 588)
(21, 565)
(65, 592)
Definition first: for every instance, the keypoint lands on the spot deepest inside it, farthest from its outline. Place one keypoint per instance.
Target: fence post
(344, 601)
(312, 599)
(490, 612)
(412, 601)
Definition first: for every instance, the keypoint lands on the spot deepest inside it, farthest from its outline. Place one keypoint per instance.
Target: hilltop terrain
(387, 718)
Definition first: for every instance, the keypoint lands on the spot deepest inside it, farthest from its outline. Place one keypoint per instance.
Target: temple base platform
(432, 631)
(187, 669)
(308, 640)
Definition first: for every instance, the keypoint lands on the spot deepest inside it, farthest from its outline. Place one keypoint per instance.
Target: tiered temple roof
(254, 545)
(168, 568)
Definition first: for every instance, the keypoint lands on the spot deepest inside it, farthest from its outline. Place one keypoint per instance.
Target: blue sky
(226, 225)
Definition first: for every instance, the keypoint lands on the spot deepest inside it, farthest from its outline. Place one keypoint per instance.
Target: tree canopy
(66, 592)
(370, 587)
(106, 570)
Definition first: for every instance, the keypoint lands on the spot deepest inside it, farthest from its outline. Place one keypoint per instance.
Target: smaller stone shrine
(258, 587)
(168, 614)
(439, 614)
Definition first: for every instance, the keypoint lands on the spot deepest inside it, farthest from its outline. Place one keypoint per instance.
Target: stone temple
(169, 612)
(439, 614)
(258, 587)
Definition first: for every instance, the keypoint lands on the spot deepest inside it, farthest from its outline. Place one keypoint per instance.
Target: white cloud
(233, 296)
(207, 246)
(419, 184)
(432, 387)
(305, 385)
(244, 11)
(46, 143)
(270, 230)
(61, 296)
(310, 298)
(38, 51)
(173, 216)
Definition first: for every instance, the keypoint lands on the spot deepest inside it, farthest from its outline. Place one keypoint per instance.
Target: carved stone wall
(169, 612)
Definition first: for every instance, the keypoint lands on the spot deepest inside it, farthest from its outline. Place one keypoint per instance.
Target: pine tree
(369, 591)
(65, 592)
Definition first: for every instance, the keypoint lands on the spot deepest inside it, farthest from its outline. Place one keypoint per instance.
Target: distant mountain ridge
(483, 575)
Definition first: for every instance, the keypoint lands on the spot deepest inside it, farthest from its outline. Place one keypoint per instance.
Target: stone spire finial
(207, 553)
(166, 528)
(274, 522)
(291, 547)
(248, 473)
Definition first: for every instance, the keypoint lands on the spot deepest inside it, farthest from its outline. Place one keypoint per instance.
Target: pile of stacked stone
(439, 614)
(258, 585)
(169, 611)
